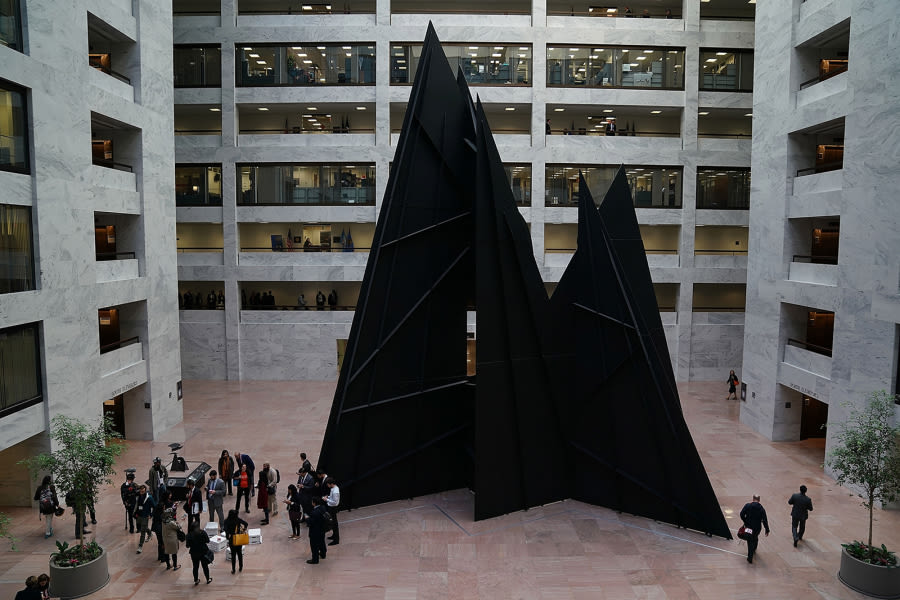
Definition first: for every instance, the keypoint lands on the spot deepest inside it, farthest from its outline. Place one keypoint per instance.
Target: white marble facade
(861, 195)
(703, 349)
(66, 192)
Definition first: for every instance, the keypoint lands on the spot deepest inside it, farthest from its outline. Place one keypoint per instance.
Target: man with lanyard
(129, 494)
(215, 495)
(194, 503)
(332, 500)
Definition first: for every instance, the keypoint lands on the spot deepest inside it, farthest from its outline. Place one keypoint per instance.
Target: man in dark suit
(193, 505)
(307, 487)
(754, 517)
(802, 505)
(316, 520)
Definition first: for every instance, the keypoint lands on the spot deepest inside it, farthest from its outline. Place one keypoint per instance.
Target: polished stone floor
(430, 548)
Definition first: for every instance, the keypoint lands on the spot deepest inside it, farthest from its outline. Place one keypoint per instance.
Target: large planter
(75, 582)
(871, 580)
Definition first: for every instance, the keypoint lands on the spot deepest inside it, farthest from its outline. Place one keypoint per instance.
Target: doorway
(813, 419)
(115, 410)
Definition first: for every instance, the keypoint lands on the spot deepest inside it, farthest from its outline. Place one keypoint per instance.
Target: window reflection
(306, 64)
(641, 66)
(198, 185)
(11, 24)
(724, 189)
(198, 66)
(13, 132)
(729, 70)
(651, 187)
(479, 64)
(322, 184)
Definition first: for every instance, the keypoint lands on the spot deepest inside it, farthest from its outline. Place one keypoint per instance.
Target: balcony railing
(110, 164)
(821, 168)
(293, 307)
(182, 249)
(301, 248)
(120, 344)
(646, 250)
(704, 252)
(114, 255)
(837, 70)
(811, 347)
(817, 259)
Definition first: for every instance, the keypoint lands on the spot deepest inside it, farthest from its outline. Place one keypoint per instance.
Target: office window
(480, 64)
(20, 368)
(726, 70)
(319, 184)
(16, 252)
(611, 66)
(198, 185)
(197, 66)
(13, 128)
(651, 186)
(305, 64)
(724, 189)
(11, 24)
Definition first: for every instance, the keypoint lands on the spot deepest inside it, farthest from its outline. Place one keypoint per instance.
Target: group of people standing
(36, 588)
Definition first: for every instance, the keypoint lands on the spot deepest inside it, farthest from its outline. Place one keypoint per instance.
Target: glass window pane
(320, 184)
(724, 189)
(13, 129)
(10, 24)
(651, 186)
(729, 70)
(20, 379)
(16, 254)
(615, 67)
(197, 185)
(306, 64)
(197, 66)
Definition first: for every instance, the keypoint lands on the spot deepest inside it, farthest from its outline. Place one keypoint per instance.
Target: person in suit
(142, 511)
(306, 486)
(193, 504)
(226, 469)
(316, 521)
(305, 464)
(215, 496)
(333, 501)
(802, 505)
(754, 517)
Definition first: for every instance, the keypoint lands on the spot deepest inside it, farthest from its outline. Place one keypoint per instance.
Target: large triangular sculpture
(629, 447)
(407, 421)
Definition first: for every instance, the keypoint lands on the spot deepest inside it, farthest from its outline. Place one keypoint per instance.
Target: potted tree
(81, 462)
(867, 458)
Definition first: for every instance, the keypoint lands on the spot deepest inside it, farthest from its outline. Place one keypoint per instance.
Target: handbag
(209, 557)
(745, 533)
(240, 539)
(180, 534)
(59, 511)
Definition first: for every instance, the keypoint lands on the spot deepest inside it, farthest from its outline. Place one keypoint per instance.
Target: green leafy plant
(5, 523)
(82, 461)
(867, 457)
(880, 556)
(72, 556)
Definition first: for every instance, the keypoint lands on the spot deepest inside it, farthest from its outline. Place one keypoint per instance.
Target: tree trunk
(871, 508)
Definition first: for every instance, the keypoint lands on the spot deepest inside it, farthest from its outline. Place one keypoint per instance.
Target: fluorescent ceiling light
(215, 110)
(307, 62)
(510, 108)
(573, 49)
(607, 110)
(260, 62)
(346, 47)
(254, 55)
(703, 113)
(248, 48)
(498, 47)
(473, 47)
(306, 7)
(641, 58)
(721, 53)
(648, 51)
(496, 55)
(296, 47)
(311, 108)
(749, 115)
(559, 110)
(655, 112)
(320, 47)
(612, 10)
(360, 108)
(523, 47)
(711, 60)
(262, 108)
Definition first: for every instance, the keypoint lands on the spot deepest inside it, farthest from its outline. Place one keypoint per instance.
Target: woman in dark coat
(295, 510)
(262, 495)
(198, 544)
(234, 524)
(226, 469)
(732, 385)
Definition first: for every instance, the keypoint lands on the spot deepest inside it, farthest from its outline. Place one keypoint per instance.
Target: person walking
(262, 498)
(243, 489)
(295, 510)
(129, 494)
(802, 506)
(157, 478)
(732, 385)
(316, 520)
(226, 469)
(170, 530)
(333, 500)
(215, 496)
(234, 524)
(198, 544)
(48, 502)
(754, 517)
(143, 509)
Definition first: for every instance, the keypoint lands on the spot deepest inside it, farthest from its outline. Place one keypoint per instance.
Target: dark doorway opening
(814, 419)
(114, 409)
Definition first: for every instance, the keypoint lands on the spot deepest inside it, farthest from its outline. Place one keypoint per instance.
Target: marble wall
(65, 190)
(861, 195)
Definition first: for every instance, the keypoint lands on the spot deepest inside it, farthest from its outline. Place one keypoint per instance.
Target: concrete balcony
(303, 259)
(720, 261)
(186, 27)
(615, 24)
(813, 273)
(183, 142)
(198, 214)
(106, 177)
(292, 140)
(306, 21)
(823, 90)
(819, 182)
(419, 22)
(741, 145)
(110, 84)
(807, 360)
(117, 270)
(121, 358)
(200, 258)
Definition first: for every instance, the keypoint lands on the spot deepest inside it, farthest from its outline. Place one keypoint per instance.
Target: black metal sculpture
(407, 421)
(628, 445)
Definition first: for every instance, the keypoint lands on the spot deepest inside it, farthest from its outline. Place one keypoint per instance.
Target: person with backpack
(45, 495)
(129, 493)
(319, 522)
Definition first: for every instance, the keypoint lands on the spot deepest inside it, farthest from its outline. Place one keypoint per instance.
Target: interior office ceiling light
(262, 108)
(360, 108)
(559, 110)
(311, 108)
(655, 112)
(510, 108)
(260, 62)
(721, 53)
(215, 109)
(703, 114)
(254, 55)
